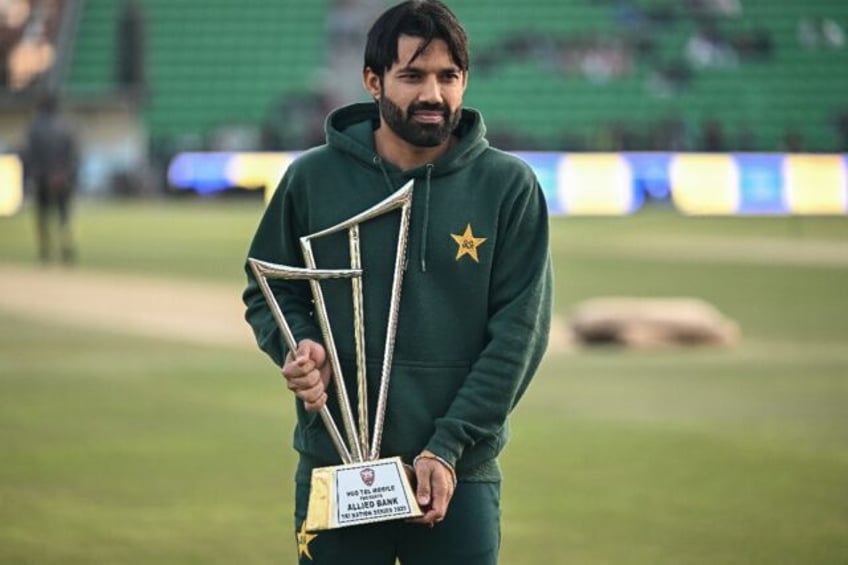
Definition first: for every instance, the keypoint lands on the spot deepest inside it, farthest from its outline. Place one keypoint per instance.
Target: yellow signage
(704, 183)
(815, 184)
(595, 184)
(11, 185)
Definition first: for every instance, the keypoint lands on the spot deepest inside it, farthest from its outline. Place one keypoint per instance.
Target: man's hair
(427, 19)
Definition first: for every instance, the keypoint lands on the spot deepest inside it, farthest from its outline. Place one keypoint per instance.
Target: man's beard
(416, 133)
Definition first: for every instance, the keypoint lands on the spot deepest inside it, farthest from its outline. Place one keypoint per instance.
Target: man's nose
(431, 91)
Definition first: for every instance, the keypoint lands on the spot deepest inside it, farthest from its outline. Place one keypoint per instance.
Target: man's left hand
(434, 491)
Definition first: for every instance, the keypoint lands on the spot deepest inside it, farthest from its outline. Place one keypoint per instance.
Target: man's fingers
(440, 497)
(298, 368)
(423, 473)
(304, 381)
(308, 349)
(429, 518)
(314, 351)
(433, 492)
(304, 365)
(314, 397)
(310, 394)
(317, 404)
(307, 374)
(325, 372)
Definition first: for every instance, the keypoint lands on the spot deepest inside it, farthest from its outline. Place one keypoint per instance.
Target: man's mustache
(427, 107)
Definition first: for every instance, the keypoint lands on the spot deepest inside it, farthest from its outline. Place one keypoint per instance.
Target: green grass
(124, 450)
(682, 458)
(117, 449)
(205, 239)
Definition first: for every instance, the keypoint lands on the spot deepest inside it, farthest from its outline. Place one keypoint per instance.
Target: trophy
(364, 488)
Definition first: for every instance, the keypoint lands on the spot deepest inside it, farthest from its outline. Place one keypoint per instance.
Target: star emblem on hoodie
(303, 540)
(468, 244)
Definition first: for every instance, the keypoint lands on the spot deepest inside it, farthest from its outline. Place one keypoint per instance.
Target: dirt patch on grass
(743, 250)
(193, 312)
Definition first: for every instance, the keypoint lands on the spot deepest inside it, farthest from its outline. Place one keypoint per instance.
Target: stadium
(691, 153)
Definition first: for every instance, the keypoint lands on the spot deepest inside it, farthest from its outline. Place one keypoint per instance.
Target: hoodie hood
(351, 129)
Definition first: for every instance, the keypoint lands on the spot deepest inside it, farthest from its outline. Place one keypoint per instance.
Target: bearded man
(475, 315)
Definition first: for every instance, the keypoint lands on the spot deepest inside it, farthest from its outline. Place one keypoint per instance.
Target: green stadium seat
(218, 61)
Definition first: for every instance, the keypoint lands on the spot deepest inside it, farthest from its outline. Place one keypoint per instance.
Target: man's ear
(371, 82)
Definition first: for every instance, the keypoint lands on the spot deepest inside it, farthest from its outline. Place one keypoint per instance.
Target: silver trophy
(364, 488)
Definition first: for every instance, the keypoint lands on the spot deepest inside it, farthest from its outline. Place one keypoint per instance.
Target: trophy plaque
(365, 488)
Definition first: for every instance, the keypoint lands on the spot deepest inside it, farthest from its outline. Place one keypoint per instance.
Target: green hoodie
(474, 318)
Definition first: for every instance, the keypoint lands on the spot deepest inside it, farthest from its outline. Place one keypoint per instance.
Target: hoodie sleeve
(277, 241)
(517, 330)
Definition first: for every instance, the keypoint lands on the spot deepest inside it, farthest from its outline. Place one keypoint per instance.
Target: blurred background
(693, 404)
(146, 80)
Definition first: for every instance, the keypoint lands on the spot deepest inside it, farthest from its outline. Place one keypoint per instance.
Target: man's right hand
(307, 374)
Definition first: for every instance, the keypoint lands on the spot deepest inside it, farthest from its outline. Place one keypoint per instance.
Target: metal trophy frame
(364, 488)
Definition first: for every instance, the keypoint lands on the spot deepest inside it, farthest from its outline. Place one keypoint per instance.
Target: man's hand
(435, 489)
(307, 374)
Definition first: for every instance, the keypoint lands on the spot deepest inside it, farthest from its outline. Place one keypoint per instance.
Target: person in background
(475, 314)
(51, 159)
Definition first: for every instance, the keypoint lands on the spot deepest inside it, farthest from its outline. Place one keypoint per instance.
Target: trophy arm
(263, 271)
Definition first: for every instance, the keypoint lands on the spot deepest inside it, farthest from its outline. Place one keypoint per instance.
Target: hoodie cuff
(430, 455)
(445, 447)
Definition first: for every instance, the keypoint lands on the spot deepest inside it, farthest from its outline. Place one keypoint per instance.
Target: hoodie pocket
(418, 396)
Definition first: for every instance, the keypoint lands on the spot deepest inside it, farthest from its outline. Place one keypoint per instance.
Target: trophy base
(360, 493)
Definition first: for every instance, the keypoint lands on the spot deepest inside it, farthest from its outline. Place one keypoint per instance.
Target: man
(51, 158)
(475, 309)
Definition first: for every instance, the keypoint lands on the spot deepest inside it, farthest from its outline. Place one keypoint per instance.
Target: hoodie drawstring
(423, 248)
(426, 219)
(379, 162)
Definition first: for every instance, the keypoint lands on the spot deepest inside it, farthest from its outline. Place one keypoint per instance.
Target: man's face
(420, 100)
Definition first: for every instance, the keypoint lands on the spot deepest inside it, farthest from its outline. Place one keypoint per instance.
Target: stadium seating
(208, 63)
(218, 62)
(794, 89)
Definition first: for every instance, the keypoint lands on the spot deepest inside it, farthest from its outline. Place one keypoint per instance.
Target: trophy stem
(359, 338)
(330, 348)
(391, 326)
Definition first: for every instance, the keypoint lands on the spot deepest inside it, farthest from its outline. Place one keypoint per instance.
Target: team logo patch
(367, 475)
(303, 540)
(468, 244)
